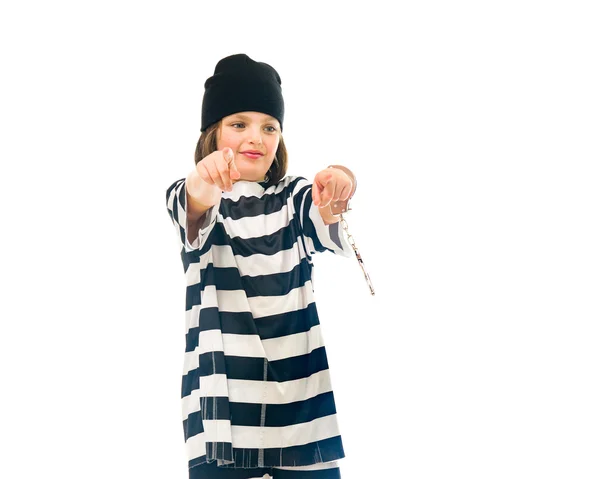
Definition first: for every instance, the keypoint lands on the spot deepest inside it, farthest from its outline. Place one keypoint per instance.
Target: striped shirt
(256, 388)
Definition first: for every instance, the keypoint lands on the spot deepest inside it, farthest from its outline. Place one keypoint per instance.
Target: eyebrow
(247, 118)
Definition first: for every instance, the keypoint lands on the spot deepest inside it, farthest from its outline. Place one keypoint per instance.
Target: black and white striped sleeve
(318, 236)
(177, 208)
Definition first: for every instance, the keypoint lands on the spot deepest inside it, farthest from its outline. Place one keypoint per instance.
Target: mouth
(252, 154)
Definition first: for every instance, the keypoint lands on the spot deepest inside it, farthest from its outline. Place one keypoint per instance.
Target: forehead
(251, 116)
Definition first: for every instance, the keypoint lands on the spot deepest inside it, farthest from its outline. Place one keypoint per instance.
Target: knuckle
(207, 179)
(204, 174)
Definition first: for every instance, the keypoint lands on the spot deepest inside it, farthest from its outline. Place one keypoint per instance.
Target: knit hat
(241, 84)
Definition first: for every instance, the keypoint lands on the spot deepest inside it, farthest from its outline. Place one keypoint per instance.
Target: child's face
(249, 131)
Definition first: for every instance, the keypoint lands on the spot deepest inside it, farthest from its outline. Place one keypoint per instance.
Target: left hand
(330, 184)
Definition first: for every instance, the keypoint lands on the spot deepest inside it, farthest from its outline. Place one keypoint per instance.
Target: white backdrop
(472, 128)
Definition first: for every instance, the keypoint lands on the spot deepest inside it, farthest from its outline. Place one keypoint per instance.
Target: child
(256, 389)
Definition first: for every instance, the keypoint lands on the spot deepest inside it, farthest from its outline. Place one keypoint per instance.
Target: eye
(271, 129)
(241, 125)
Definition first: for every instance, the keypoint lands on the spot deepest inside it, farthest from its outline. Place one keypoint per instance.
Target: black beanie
(241, 84)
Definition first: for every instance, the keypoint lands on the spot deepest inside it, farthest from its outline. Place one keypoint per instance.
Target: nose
(255, 136)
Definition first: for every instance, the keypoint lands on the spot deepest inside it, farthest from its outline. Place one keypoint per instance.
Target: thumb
(229, 158)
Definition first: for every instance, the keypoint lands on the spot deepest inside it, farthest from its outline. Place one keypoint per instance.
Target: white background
(473, 129)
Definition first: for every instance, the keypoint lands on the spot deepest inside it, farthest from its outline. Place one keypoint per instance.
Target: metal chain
(356, 252)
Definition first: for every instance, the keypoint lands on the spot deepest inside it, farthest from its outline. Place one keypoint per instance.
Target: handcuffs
(342, 206)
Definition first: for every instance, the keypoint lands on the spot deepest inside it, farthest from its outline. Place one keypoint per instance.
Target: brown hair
(207, 143)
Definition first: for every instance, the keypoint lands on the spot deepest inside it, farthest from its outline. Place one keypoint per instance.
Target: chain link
(357, 253)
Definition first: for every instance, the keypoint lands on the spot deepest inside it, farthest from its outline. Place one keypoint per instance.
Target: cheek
(225, 140)
(224, 143)
(273, 144)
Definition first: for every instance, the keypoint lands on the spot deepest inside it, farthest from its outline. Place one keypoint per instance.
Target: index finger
(230, 159)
